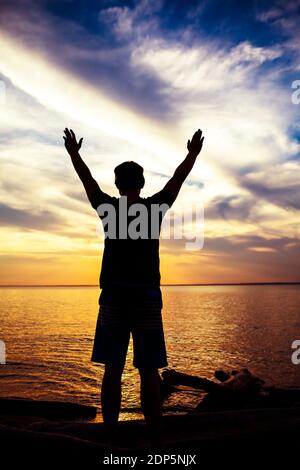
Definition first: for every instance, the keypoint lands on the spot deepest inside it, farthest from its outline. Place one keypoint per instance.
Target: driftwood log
(45, 408)
(235, 390)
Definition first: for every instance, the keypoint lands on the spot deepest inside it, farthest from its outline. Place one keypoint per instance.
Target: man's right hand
(71, 143)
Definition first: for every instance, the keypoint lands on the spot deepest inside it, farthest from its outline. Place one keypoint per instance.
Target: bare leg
(111, 397)
(151, 402)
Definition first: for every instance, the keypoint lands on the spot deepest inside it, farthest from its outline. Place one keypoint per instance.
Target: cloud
(133, 22)
(283, 17)
(231, 207)
(98, 59)
(278, 9)
(136, 80)
(43, 220)
(57, 90)
(278, 184)
(236, 259)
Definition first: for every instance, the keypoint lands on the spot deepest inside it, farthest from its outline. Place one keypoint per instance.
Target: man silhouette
(130, 300)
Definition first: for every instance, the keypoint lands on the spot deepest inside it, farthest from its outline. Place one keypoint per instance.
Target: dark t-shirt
(131, 262)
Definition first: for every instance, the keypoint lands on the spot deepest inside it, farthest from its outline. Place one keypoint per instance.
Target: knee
(113, 372)
(148, 374)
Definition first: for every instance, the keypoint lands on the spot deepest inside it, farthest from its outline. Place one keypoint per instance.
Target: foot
(114, 440)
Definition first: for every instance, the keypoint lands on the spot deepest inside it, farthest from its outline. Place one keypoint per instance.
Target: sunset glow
(123, 80)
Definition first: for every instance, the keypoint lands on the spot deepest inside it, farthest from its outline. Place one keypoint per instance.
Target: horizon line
(165, 285)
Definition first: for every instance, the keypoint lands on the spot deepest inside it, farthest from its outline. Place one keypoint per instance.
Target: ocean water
(49, 331)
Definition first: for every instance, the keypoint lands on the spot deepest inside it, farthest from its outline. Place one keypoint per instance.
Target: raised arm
(73, 147)
(194, 147)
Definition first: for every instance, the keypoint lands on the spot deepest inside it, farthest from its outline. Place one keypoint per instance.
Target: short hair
(129, 175)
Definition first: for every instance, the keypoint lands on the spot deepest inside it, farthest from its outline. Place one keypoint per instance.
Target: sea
(48, 336)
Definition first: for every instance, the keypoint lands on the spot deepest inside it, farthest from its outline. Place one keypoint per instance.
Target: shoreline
(214, 435)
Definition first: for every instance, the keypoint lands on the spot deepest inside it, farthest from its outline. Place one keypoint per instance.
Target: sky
(136, 79)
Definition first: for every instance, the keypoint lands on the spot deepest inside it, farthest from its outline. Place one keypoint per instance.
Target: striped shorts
(115, 324)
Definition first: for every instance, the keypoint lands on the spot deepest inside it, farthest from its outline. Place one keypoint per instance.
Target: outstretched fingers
(67, 133)
(70, 140)
(198, 134)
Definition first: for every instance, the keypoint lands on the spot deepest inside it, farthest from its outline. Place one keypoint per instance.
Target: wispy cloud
(136, 80)
(25, 219)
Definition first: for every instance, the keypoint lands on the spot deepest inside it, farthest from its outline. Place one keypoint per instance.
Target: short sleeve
(165, 196)
(98, 197)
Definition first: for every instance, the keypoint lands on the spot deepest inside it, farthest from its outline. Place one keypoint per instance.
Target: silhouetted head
(129, 176)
